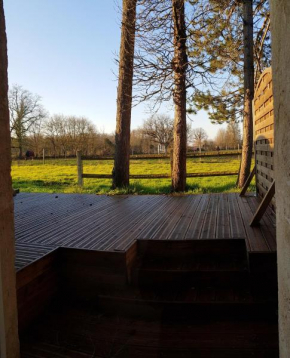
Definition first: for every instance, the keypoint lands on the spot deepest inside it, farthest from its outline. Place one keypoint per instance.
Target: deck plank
(27, 254)
(266, 226)
(210, 220)
(182, 226)
(153, 217)
(237, 228)
(171, 227)
(223, 219)
(109, 223)
(163, 220)
(195, 228)
(255, 237)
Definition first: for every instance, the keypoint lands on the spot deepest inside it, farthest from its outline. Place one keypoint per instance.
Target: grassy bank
(61, 176)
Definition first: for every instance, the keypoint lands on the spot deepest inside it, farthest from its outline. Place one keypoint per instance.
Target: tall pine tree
(124, 100)
(234, 36)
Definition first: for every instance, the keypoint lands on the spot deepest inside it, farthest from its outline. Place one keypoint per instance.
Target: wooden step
(191, 262)
(187, 278)
(198, 271)
(127, 350)
(221, 248)
(69, 331)
(197, 302)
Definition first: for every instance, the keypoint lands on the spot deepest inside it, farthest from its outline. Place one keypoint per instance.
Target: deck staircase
(194, 278)
(193, 298)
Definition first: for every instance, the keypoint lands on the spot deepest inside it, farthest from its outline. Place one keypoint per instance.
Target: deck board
(195, 227)
(26, 254)
(223, 219)
(268, 230)
(183, 224)
(210, 218)
(255, 237)
(107, 223)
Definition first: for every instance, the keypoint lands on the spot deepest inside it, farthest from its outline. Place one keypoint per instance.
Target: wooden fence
(264, 135)
(220, 153)
(82, 175)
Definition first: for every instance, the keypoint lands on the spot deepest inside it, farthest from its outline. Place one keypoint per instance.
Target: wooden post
(9, 343)
(80, 168)
(171, 161)
(43, 156)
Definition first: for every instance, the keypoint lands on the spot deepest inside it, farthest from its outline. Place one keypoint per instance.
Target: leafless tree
(221, 138)
(159, 128)
(52, 133)
(35, 137)
(162, 71)
(67, 134)
(233, 135)
(25, 111)
(199, 137)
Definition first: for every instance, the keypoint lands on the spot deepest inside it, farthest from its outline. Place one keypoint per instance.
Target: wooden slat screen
(264, 133)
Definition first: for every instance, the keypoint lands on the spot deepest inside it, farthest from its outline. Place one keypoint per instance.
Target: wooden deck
(199, 281)
(45, 222)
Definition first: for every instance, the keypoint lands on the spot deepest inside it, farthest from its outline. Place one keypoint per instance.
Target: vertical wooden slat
(264, 132)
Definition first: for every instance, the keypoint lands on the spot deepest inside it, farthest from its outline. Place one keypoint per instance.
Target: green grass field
(60, 176)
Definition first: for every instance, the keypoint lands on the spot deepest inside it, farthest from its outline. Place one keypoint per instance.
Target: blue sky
(64, 51)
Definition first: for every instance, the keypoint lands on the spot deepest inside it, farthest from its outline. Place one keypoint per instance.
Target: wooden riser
(127, 339)
(204, 310)
(153, 278)
(126, 350)
(70, 331)
(263, 263)
(191, 248)
(188, 310)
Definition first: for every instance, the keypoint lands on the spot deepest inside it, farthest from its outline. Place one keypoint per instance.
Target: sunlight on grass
(61, 176)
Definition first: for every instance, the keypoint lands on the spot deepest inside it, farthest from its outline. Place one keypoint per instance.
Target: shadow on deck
(150, 276)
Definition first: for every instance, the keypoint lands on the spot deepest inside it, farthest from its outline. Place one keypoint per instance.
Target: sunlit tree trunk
(248, 92)
(124, 100)
(179, 65)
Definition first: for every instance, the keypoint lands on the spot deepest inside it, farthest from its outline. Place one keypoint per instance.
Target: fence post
(80, 168)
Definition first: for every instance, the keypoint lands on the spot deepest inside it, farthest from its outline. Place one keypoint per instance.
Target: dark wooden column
(9, 345)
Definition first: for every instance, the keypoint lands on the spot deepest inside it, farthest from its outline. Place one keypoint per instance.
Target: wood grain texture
(112, 223)
(264, 133)
(9, 345)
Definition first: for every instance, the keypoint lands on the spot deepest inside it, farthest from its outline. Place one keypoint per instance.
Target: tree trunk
(179, 64)
(9, 345)
(248, 92)
(20, 148)
(124, 100)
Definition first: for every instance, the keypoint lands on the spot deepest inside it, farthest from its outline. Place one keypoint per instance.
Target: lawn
(60, 176)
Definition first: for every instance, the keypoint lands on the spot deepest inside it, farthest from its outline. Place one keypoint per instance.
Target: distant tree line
(59, 135)
(62, 136)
